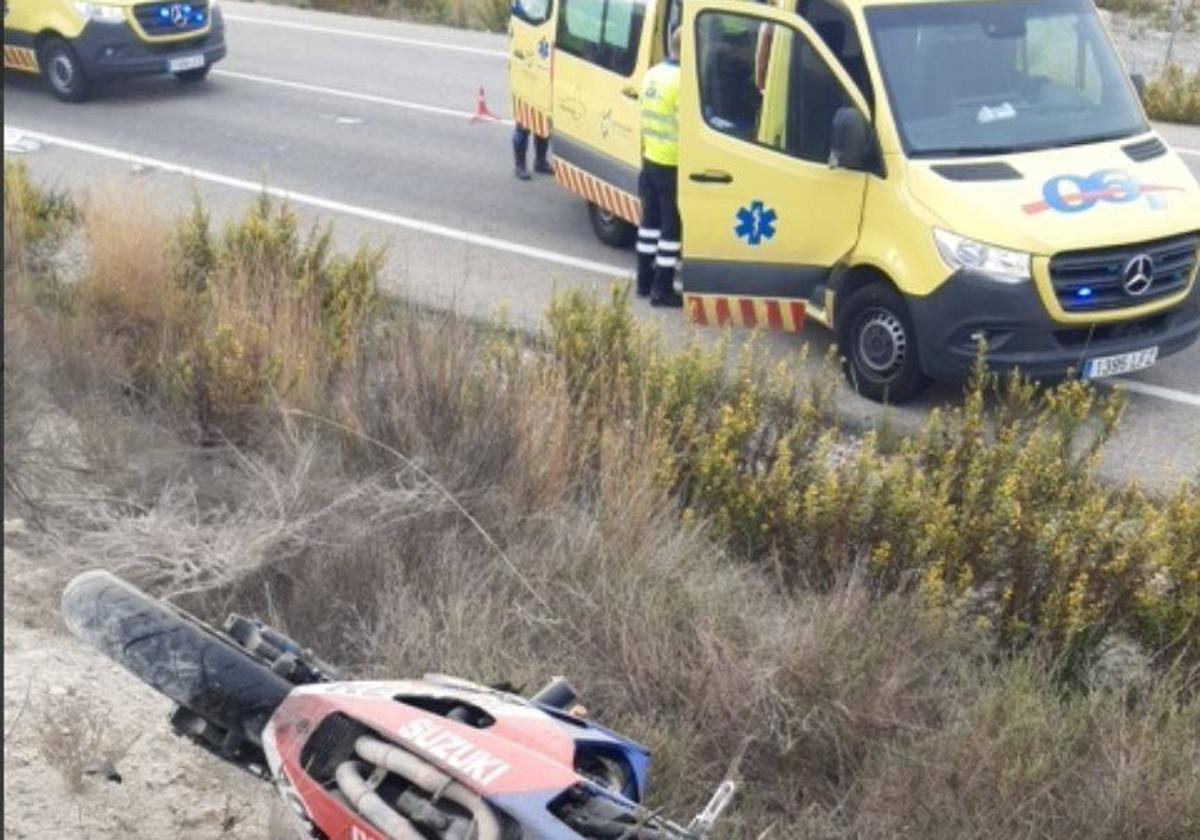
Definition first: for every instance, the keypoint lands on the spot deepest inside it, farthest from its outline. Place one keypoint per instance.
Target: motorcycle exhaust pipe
(367, 802)
(430, 779)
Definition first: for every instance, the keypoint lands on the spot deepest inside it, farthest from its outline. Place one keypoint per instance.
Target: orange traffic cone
(481, 109)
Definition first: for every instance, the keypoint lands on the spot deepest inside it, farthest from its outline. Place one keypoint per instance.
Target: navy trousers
(661, 231)
(520, 143)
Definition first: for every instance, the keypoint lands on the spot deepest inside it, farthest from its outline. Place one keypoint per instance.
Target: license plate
(187, 62)
(1120, 363)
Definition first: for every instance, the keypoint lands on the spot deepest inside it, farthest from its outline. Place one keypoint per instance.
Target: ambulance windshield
(1004, 76)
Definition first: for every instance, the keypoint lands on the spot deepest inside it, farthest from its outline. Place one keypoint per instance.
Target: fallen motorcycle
(431, 759)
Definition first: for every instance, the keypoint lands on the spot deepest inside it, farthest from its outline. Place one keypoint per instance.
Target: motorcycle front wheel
(176, 654)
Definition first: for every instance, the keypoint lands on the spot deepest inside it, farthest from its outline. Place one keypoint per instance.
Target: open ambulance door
(765, 216)
(602, 50)
(530, 56)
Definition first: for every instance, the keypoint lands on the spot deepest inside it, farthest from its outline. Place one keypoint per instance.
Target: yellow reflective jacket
(660, 114)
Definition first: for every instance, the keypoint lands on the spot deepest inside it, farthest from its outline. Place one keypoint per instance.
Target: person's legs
(520, 142)
(670, 242)
(648, 230)
(541, 146)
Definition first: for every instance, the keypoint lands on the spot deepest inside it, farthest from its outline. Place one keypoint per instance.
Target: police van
(74, 44)
(919, 177)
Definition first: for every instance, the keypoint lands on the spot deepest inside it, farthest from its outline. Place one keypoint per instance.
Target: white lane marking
(349, 94)
(393, 219)
(1159, 391)
(1182, 151)
(369, 36)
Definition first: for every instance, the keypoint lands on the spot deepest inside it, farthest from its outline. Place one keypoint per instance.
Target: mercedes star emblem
(1138, 275)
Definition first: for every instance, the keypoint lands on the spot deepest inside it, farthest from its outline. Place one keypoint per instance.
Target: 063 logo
(1080, 193)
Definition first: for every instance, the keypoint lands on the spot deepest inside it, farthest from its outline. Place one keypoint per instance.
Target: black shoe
(667, 299)
(522, 173)
(542, 167)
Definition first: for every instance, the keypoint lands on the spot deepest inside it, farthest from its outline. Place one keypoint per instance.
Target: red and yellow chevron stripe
(526, 116)
(774, 313)
(20, 58)
(601, 193)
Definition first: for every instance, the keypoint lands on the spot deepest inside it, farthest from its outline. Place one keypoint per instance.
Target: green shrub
(220, 325)
(1174, 96)
(35, 219)
(994, 507)
(278, 312)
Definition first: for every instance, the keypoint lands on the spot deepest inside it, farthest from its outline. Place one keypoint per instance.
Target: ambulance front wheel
(63, 71)
(611, 229)
(879, 344)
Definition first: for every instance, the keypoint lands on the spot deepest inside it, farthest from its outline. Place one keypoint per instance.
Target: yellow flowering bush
(993, 507)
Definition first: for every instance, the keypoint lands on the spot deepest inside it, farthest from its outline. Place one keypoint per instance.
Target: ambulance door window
(780, 94)
(671, 21)
(727, 49)
(814, 96)
(603, 32)
(836, 28)
(533, 11)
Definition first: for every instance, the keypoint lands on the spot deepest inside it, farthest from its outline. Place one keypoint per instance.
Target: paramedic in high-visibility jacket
(660, 233)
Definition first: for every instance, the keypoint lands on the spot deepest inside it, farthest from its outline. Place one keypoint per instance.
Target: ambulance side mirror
(853, 144)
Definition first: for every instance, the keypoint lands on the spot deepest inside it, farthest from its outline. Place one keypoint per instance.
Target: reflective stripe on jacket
(660, 114)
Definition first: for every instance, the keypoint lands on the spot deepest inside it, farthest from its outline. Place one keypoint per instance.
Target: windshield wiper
(970, 151)
(983, 151)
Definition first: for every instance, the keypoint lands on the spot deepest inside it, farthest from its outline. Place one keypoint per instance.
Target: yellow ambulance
(74, 44)
(919, 177)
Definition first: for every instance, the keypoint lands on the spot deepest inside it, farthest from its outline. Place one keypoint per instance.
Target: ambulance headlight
(1000, 264)
(100, 11)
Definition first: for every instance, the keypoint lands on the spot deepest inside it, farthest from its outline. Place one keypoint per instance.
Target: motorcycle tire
(174, 653)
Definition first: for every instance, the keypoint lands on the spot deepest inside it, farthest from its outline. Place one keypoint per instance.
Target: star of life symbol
(755, 223)
(543, 49)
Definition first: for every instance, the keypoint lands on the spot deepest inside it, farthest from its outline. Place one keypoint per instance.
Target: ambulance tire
(63, 71)
(879, 345)
(199, 74)
(610, 229)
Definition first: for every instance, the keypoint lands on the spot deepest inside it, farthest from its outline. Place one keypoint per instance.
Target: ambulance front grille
(161, 20)
(1096, 281)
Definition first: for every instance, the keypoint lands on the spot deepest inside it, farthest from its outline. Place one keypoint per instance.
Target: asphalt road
(367, 123)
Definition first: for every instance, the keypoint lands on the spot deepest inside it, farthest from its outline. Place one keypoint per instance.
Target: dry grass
(75, 736)
(462, 501)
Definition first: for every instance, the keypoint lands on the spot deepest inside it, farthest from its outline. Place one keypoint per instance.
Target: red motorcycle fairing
(521, 750)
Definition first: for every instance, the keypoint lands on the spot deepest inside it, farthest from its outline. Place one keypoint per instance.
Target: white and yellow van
(73, 44)
(918, 176)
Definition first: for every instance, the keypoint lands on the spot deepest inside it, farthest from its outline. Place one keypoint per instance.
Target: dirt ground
(71, 717)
